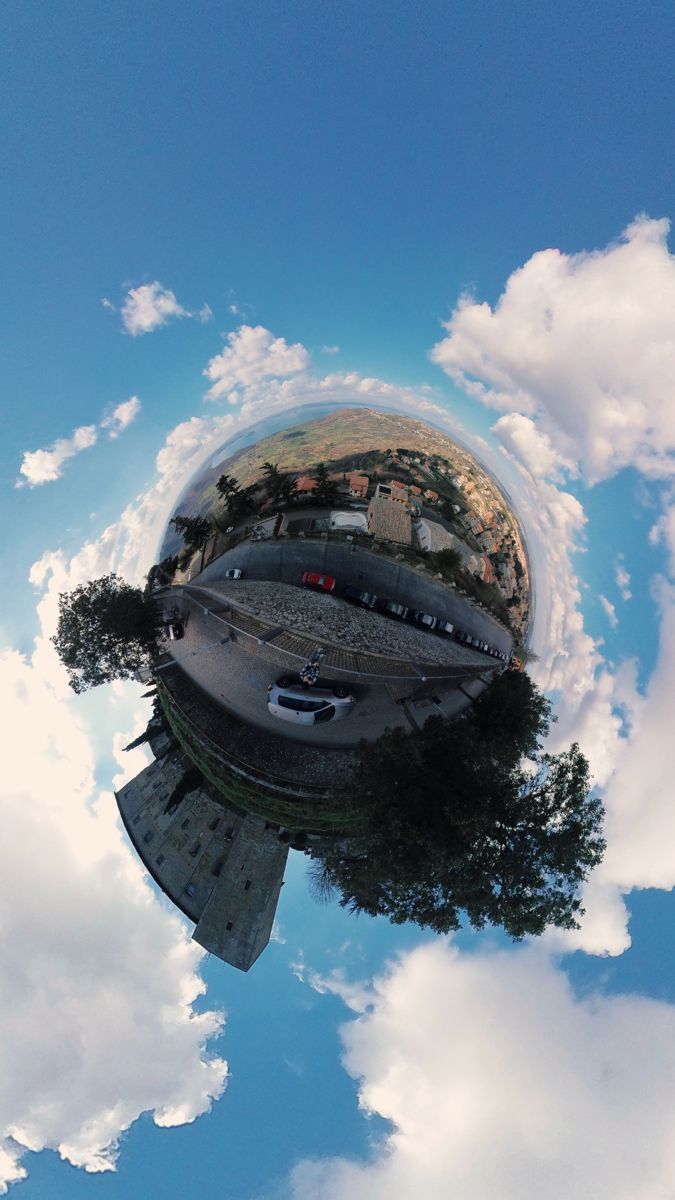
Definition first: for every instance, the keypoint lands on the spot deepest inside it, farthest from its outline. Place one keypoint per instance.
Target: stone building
(222, 869)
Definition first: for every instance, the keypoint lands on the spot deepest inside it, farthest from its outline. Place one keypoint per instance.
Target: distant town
(392, 480)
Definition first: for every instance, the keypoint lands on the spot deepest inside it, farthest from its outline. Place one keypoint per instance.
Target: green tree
(227, 487)
(448, 560)
(242, 503)
(106, 630)
(195, 531)
(455, 821)
(162, 573)
(326, 489)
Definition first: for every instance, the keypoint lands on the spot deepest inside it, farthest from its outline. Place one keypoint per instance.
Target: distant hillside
(341, 435)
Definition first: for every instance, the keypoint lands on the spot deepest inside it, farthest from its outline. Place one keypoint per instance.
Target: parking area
(355, 567)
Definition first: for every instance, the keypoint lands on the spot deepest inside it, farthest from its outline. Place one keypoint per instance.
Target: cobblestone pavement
(330, 619)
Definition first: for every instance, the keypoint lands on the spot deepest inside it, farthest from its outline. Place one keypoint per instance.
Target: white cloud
(44, 466)
(622, 578)
(252, 354)
(150, 306)
(534, 449)
(330, 349)
(500, 1084)
(121, 417)
(584, 345)
(610, 611)
(98, 979)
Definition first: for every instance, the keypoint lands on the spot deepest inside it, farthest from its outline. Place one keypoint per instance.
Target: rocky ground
(337, 621)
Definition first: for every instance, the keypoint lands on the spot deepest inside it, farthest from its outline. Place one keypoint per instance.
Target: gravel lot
(345, 624)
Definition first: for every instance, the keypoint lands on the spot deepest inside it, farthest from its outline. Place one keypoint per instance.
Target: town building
(304, 486)
(222, 869)
(388, 519)
(358, 485)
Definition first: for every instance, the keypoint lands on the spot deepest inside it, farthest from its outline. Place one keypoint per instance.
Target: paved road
(236, 674)
(285, 561)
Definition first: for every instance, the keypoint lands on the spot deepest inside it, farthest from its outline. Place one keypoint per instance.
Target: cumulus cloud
(150, 306)
(609, 610)
(534, 449)
(44, 466)
(579, 354)
(500, 1083)
(585, 345)
(252, 354)
(98, 980)
(121, 417)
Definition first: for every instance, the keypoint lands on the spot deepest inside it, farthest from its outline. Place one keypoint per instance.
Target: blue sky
(456, 210)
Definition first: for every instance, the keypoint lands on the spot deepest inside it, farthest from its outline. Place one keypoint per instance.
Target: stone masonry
(223, 870)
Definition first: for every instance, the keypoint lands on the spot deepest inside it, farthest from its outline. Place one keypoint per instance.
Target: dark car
(356, 596)
(394, 609)
(423, 619)
(445, 627)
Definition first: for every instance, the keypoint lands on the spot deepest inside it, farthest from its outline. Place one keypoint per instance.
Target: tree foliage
(106, 630)
(468, 816)
(195, 531)
(448, 560)
(162, 573)
(326, 488)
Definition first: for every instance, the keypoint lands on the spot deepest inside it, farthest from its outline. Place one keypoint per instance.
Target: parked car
(234, 573)
(173, 630)
(445, 627)
(394, 609)
(423, 619)
(289, 701)
(323, 583)
(356, 596)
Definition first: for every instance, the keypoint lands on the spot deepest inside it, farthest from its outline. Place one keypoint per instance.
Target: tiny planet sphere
(352, 572)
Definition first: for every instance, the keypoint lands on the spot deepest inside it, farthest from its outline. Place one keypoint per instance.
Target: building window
(136, 819)
(228, 926)
(159, 860)
(247, 885)
(185, 823)
(213, 825)
(217, 867)
(190, 889)
(195, 850)
(147, 837)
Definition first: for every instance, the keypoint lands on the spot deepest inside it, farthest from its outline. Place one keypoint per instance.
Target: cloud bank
(98, 979)
(584, 346)
(579, 356)
(500, 1083)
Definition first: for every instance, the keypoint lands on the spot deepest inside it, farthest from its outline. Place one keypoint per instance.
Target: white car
(234, 573)
(289, 701)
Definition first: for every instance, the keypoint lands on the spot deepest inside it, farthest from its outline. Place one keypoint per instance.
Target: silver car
(289, 701)
(234, 573)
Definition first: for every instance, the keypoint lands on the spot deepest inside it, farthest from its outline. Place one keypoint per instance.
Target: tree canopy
(468, 816)
(326, 488)
(195, 531)
(107, 629)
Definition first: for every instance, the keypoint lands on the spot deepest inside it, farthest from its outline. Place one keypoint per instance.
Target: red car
(325, 583)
